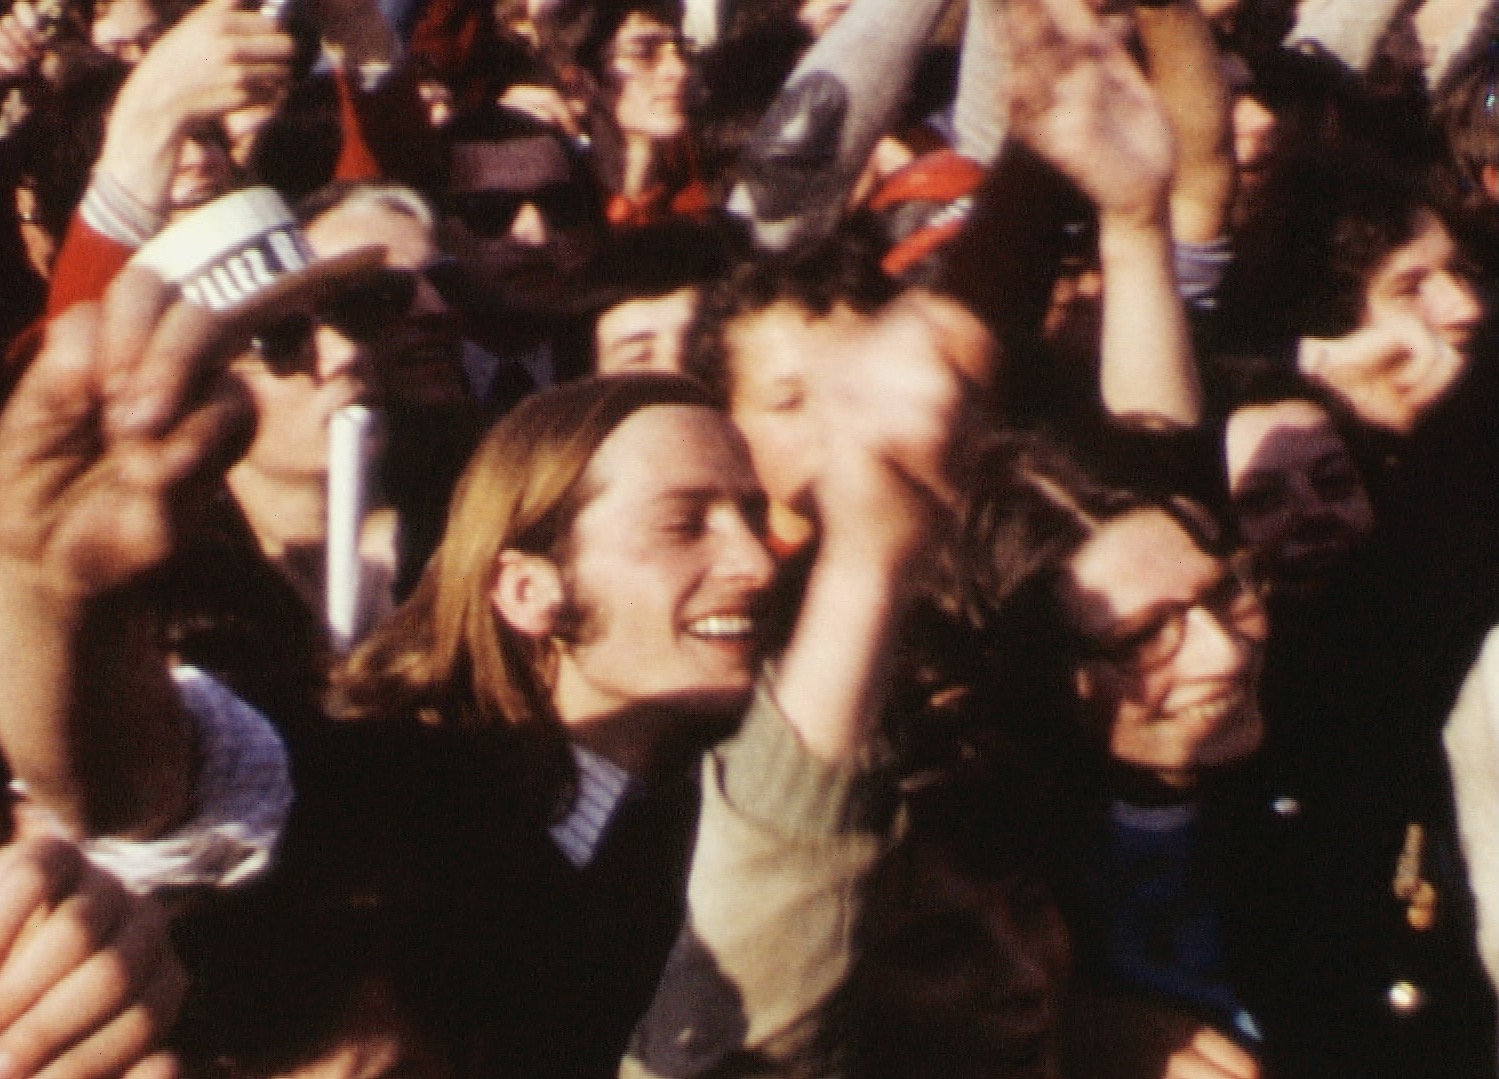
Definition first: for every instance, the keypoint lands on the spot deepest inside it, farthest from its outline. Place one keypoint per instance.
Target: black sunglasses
(362, 314)
(492, 213)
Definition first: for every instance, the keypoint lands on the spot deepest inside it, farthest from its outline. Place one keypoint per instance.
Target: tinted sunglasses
(492, 213)
(651, 49)
(362, 314)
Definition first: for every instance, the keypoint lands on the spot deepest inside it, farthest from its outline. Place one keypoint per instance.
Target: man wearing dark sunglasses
(521, 217)
(391, 339)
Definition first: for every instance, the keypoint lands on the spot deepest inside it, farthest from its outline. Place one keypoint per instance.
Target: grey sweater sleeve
(801, 162)
(784, 847)
(981, 112)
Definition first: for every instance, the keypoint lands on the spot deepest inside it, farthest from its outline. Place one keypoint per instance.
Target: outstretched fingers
(110, 1012)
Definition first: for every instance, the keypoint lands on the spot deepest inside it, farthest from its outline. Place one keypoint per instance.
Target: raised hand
(217, 59)
(101, 445)
(88, 981)
(1392, 374)
(1080, 101)
(120, 430)
(20, 42)
(890, 403)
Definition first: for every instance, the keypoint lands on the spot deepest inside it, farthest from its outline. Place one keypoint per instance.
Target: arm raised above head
(802, 161)
(118, 432)
(794, 816)
(1081, 103)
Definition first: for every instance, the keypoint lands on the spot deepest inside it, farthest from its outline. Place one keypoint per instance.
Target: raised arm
(218, 59)
(123, 424)
(887, 403)
(1081, 103)
(1187, 75)
(793, 817)
(800, 164)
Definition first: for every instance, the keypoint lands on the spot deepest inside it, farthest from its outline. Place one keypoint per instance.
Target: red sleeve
(87, 262)
(386, 134)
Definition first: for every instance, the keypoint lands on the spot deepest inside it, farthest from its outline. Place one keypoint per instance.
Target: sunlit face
(644, 334)
(768, 356)
(293, 412)
(962, 969)
(650, 75)
(1414, 341)
(333, 370)
(1296, 492)
(1425, 278)
(417, 356)
(1171, 712)
(667, 568)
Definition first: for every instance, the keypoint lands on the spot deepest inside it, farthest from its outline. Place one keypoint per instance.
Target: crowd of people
(880, 538)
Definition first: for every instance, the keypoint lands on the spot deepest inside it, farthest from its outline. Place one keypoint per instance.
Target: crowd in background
(899, 538)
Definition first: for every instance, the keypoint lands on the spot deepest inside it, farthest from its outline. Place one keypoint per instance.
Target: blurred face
(1425, 278)
(1172, 645)
(644, 335)
(293, 411)
(976, 966)
(667, 569)
(204, 170)
(768, 356)
(417, 355)
(1296, 492)
(1414, 343)
(650, 72)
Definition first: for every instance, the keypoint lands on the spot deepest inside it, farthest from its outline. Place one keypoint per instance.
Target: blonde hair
(445, 658)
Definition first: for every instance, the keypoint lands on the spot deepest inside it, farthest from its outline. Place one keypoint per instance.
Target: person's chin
(1239, 738)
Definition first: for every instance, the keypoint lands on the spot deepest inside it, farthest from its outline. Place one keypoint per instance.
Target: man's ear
(527, 592)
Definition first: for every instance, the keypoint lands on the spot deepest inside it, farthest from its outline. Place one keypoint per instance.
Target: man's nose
(1215, 647)
(672, 65)
(530, 226)
(340, 355)
(742, 555)
(1453, 304)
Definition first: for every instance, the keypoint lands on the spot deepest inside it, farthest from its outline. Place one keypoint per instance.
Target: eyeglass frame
(1241, 580)
(654, 54)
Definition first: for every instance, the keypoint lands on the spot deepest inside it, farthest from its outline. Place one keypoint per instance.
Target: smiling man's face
(666, 569)
(1174, 689)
